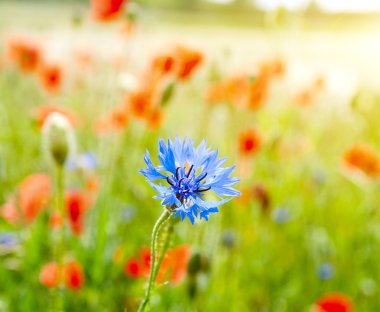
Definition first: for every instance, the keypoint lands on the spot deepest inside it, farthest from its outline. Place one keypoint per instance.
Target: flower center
(186, 184)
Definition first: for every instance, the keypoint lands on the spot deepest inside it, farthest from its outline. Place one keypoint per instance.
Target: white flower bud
(58, 139)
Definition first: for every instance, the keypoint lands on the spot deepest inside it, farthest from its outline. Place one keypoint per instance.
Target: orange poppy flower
(10, 212)
(50, 76)
(34, 194)
(43, 111)
(24, 53)
(76, 203)
(304, 98)
(233, 90)
(334, 303)
(119, 118)
(163, 64)
(73, 275)
(50, 275)
(258, 91)
(155, 118)
(106, 10)
(139, 103)
(363, 158)
(272, 69)
(249, 142)
(186, 62)
(179, 259)
(56, 220)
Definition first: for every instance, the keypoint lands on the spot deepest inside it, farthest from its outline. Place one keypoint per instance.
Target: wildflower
(189, 173)
(73, 275)
(34, 194)
(249, 142)
(174, 265)
(133, 268)
(155, 118)
(233, 90)
(50, 275)
(325, 271)
(76, 205)
(58, 138)
(86, 161)
(173, 268)
(258, 92)
(50, 76)
(334, 302)
(186, 62)
(43, 112)
(119, 118)
(281, 215)
(163, 64)
(56, 220)
(136, 267)
(10, 212)
(139, 102)
(229, 238)
(362, 158)
(105, 10)
(24, 53)
(9, 242)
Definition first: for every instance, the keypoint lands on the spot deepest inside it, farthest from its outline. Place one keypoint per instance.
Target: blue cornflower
(84, 161)
(189, 172)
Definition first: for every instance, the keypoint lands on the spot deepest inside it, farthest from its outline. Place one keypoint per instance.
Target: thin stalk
(60, 238)
(169, 232)
(154, 246)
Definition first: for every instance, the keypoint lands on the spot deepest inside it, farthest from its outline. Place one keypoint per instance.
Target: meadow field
(86, 88)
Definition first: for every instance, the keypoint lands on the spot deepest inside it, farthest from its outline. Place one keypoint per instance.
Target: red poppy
(24, 53)
(50, 76)
(73, 275)
(173, 267)
(249, 142)
(76, 204)
(334, 303)
(163, 64)
(186, 62)
(106, 10)
(133, 268)
(34, 194)
(50, 275)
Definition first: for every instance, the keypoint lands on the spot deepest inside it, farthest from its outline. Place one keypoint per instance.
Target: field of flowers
(152, 163)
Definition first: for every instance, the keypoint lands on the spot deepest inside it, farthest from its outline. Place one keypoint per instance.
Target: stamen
(200, 179)
(204, 190)
(177, 172)
(179, 182)
(168, 179)
(191, 168)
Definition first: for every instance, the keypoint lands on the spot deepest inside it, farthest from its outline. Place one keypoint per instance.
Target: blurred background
(288, 90)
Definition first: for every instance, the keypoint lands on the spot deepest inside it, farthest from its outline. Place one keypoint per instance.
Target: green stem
(169, 232)
(60, 235)
(154, 246)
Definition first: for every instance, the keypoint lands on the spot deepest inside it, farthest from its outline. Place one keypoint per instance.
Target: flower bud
(58, 138)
